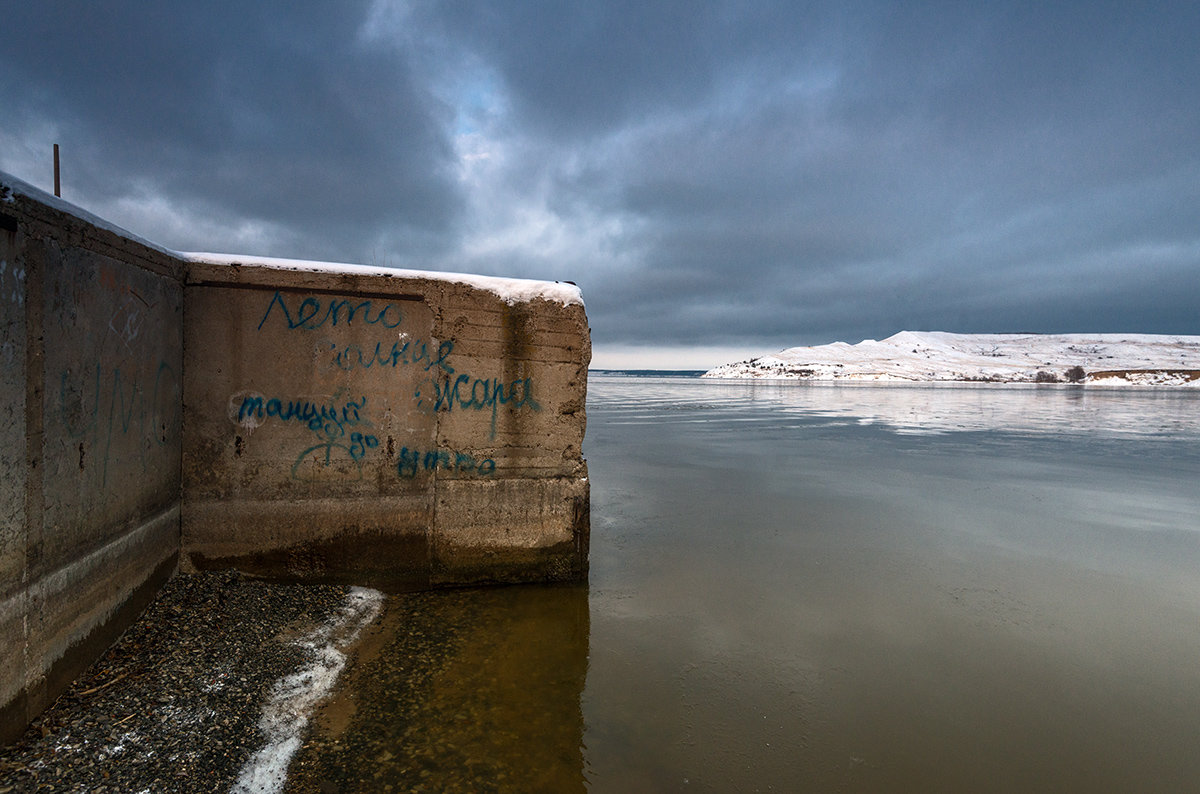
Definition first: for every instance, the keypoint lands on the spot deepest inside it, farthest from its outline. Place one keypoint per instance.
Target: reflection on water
(469, 690)
(873, 588)
(932, 407)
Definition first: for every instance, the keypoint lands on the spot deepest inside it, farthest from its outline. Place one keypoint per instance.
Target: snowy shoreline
(935, 356)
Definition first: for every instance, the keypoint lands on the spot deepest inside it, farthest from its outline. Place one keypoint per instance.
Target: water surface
(799, 586)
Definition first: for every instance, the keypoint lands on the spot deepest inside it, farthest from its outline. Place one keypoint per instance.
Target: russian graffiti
(343, 433)
(467, 393)
(312, 313)
(338, 426)
(330, 417)
(413, 460)
(403, 352)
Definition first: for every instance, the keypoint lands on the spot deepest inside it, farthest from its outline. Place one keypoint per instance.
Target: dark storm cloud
(280, 114)
(580, 68)
(760, 173)
(967, 173)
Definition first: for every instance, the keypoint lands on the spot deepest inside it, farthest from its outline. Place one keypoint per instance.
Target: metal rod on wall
(57, 186)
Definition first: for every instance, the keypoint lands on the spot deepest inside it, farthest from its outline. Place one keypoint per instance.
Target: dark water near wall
(799, 587)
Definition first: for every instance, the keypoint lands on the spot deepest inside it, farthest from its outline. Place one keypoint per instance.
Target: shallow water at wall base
(872, 588)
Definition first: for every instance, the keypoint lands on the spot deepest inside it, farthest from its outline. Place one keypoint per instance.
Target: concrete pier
(291, 420)
(407, 428)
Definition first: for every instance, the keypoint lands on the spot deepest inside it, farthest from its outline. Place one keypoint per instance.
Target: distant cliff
(930, 356)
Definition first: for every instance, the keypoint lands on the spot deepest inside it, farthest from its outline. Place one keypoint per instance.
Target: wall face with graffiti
(91, 381)
(383, 405)
(405, 431)
(324, 394)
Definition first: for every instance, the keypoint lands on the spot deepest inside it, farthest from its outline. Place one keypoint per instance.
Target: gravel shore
(174, 705)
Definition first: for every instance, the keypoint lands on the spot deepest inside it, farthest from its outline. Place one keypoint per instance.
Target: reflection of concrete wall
(90, 351)
(402, 431)
(484, 688)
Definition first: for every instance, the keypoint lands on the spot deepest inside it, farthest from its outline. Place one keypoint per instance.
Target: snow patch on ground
(293, 698)
(932, 356)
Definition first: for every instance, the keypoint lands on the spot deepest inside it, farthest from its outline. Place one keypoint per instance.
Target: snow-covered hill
(1109, 359)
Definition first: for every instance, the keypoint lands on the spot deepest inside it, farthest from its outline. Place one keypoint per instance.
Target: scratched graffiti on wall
(107, 405)
(114, 394)
(12, 291)
(12, 283)
(343, 433)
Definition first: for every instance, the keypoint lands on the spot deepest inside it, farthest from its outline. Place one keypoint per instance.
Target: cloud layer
(753, 174)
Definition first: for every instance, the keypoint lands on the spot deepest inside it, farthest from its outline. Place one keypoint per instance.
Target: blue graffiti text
(413, 460)
(312, 313)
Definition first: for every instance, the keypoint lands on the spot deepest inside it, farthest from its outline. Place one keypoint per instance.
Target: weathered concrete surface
(392, 428)
(13, 475)
(399, 431)
(91, 351)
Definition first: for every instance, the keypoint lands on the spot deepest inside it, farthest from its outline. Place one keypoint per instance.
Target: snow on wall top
(917, 356)
(510, 290)
(11, 187)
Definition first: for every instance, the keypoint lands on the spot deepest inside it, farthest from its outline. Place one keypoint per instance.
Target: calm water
(832, 588)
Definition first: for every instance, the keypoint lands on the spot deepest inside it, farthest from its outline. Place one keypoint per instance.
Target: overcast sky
(720, 178)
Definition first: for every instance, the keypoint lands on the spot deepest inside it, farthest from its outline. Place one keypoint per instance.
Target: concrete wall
(406, 431)
(90, 388)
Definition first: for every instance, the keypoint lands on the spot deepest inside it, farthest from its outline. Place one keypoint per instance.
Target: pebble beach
(175, 704)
